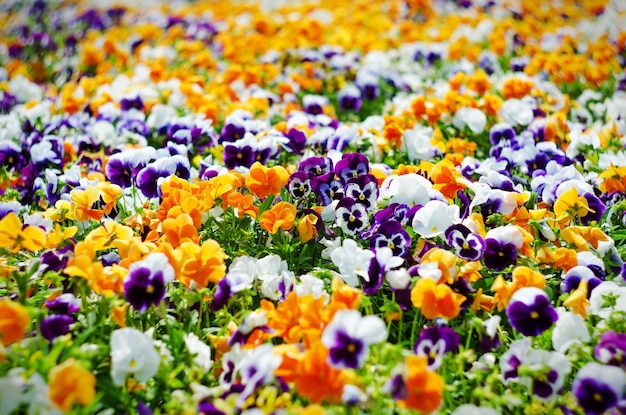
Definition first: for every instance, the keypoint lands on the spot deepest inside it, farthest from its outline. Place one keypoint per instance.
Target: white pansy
(516, 112)
(200, 350)
(132, 353)
(352, 261)
(569, 329)
(473, 118)
(434, 218)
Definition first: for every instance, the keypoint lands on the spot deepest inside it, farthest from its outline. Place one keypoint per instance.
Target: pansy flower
(611, 349)
(380, 264)
(348, 337)
(467, 245)
(349, 98)
(434, 342)
(146, 279)
(598, 388)
(132, 354)
(434, 218)
(236, 155)
(511, 360)
(391, 234)
(328, 188)
(547, 372)
(415, 386)
(530, 311)
(501, 245)
(352, 261)
(363, 189)
(351, 217)
(301, 185)
(351, 165)
(316, 166)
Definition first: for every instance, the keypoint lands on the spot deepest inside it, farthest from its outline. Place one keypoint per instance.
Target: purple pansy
(612, 349)
(351, 217)
(512, 359)
(328, 188)
(530, 311)
(145, 283)
(391, 235)
(572, 278)
(349, 98)
(316, 166)
(467, 245)
(499, 255)
(236, 155)
(55, 325)
(301, 185)
(380, 264)
(598, 388)
(64, 304)
(434, 342)
(351, 165)
(364, 190)
(501, 132)
(349, 336)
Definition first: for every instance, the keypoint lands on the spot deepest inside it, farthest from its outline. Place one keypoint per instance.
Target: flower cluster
(273, 207)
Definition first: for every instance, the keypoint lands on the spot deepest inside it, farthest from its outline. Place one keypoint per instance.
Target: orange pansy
(281, 216)
(71, 383)
(436, 300)
(14, 319)
(263, 181)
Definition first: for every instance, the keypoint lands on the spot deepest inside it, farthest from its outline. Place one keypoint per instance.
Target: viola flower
(351, 165)
(281, 216)
(349, 98)
(55, 325)
(468, 245)
(11, 155)
(257, 369)
(71, 383)
(436, 300)
(328, 189)
(66, 303)
(132, 353)
(316, 166)
(391, 234)
(263, 181)
(530, 311)
(352, 217)
(14, 319)
(599, 388)
(434, 342)
(234, 282)
(434, 218)
(15, 236)
(383, 262)
(501, 245)
(301, 185)
(348, 337)
(364, 190)
(236, 154)
(548, 371)
(297, 141)
(146, 279)
(314, 104)
(573, 277)
(352, 261)
(512, 359)
(415, 386)
(569, 329)
(612, 349)
(251, 322)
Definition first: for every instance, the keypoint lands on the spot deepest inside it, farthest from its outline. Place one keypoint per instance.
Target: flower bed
(238, 207)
